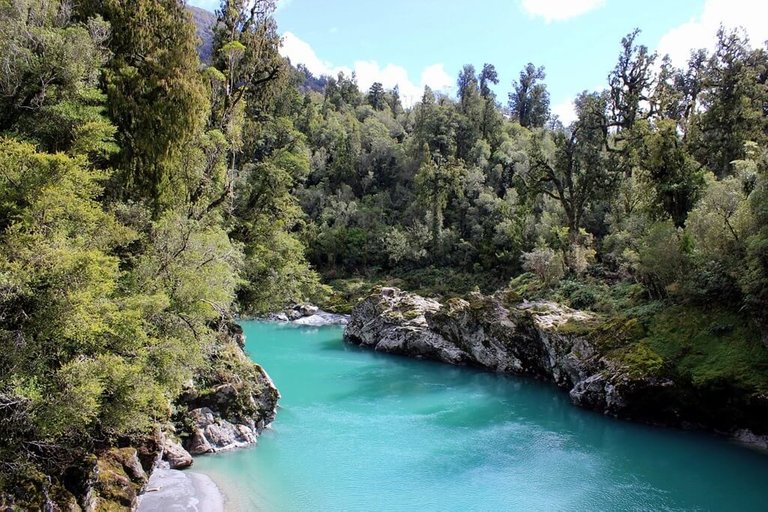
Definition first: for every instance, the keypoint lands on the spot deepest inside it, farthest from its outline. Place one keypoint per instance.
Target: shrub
(545, 263)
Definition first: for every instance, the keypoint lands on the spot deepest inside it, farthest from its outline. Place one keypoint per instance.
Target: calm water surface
(361, 431)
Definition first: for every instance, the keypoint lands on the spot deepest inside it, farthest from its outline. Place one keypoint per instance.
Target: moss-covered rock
(235, 392)
(116, 480)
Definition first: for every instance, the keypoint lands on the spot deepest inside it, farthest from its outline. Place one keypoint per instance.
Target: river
(362, 431)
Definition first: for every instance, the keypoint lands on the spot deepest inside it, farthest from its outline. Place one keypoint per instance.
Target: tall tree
(573, 167)
(734, 99)
(631, 82)
(376, 97)
(246, 45)
(471, 110)
(491, 118)
(156, 96)
(674, 176)
(487, 76)
(529, 101)
(436, 181)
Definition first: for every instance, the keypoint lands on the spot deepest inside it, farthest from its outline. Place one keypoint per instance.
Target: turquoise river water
(362, 431)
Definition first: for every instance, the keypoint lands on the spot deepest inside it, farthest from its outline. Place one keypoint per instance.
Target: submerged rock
(544, 340)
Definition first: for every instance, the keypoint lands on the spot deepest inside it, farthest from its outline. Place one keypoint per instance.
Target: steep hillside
(204, 22)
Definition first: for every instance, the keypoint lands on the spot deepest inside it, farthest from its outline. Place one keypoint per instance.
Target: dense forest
(660, 182)
(148, 196)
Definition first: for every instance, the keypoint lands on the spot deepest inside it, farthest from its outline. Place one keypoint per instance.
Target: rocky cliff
(573, 349)
(225, 406)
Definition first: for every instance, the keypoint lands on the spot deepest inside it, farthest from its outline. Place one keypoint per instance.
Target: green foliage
(662, 261)
(545, 263)
(85, 362)
(529, 103)
(754, 281)
(710, 348)
(156, 95)
(676, 178)
(50, 79)
(144, 198)
(108, 307)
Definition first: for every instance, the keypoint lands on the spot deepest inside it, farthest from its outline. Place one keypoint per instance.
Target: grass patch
(710, 347)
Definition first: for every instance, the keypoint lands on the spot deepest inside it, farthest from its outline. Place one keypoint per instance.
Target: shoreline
(182, 491)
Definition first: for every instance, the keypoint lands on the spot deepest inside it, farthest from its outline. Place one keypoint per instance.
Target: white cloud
(565, 111)
(300, 52)
(437, 78)
(368, 71)
(560, 10)
(699, 32)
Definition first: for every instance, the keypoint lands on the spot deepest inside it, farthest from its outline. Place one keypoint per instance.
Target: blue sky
(418, 42)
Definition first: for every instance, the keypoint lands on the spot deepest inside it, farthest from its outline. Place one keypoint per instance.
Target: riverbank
(216, 419)
(180, 491)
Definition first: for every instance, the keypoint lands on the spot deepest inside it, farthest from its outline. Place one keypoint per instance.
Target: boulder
(175, 454)
(198, 444)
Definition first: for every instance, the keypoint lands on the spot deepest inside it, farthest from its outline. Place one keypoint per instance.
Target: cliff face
(546, 341)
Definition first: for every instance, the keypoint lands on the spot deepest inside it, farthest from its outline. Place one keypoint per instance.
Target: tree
(734, 99)
(529, 102)
(488, 76)
(471, 109)
(435, 182)
(572, 166)
(393, 100)
(88, 354)
(674, 175)
(754, 280)
(434, 125)
(630, 82)
(467, 88)
(246, 45)
(49, 84)
(156, 96)
(491, 118)
(376, 97)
